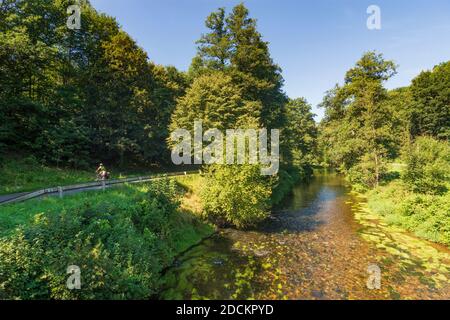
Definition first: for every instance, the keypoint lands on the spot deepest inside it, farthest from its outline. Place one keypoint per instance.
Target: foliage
(75, 97)
(286, 181)
(366, 173)
(300, 134)
(400, 102)
(217, 101)
(234, 46)
(357, 132)
(121, 240)
(428, 166)
(237, 195)
(431, 106)
(425, 215)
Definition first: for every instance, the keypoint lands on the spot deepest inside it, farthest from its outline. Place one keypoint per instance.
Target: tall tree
(215, 47)
(358, 127)
(300, 133)
(431, 95)
(234, 46)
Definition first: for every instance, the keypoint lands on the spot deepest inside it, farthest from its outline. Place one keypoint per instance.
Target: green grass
(15, 215)
(21, 175)
(427, 216)
(397, 167)
(191, 183)
(27, 174)
(189, 228)
(128, 234)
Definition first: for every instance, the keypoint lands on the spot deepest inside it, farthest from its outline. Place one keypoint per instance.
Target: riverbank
(425, 215)
(318, 245)
(121, 239)
(403, 255)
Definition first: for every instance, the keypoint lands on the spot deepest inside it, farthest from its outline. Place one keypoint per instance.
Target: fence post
(60, 191)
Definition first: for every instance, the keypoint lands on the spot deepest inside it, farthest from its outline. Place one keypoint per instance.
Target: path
(90, 186)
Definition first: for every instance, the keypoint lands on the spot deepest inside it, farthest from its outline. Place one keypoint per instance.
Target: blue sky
(314, 41)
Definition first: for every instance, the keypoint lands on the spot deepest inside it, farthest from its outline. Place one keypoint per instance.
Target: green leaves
(431, 107)
(428, 166)
(235, 47)
(216, 100)
(74, 97)
(120, 239)
(300, 133)
(236, 195)
(357, 134)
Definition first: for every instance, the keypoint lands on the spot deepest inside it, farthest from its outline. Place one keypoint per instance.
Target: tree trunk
(377, 171)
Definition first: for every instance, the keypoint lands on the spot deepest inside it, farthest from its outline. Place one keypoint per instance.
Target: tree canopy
(74, 97)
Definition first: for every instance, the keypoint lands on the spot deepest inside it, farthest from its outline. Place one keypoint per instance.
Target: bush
(121, 242)
(428, 166)
(237, 195)
(425, 215)
(367, 173)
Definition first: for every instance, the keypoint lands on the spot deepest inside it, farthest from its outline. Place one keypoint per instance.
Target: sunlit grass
(193, 185)
(23, 175)
(14, 215)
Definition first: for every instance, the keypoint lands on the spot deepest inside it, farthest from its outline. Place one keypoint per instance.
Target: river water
(312, 247)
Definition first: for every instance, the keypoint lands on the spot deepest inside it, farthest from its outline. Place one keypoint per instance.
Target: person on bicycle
(101, 171)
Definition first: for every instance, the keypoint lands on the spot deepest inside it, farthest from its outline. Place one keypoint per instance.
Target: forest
(70, 99)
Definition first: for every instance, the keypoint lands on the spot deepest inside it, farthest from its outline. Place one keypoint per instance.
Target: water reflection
(310, 248)
(230, 265)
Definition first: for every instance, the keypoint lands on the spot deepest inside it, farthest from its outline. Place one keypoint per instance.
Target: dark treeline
(73, 97)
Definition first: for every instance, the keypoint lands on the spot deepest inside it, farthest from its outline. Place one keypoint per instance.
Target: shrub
(120, 244)
(367, 173)
(425, 215)
(428, 166)
(237, 195)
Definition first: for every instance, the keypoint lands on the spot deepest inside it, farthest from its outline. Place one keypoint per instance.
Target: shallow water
(312, 247)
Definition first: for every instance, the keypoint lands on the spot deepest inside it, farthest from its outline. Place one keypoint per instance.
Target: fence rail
(90, 185)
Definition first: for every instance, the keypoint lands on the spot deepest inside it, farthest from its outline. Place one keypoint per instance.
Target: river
(317, 245)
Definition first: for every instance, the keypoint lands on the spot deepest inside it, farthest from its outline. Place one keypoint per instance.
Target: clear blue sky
(314, 41)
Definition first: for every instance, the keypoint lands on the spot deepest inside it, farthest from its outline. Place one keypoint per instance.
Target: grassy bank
(425, 215)
(121, 239)
(27, 174)
(23, 174)
(406, 253)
